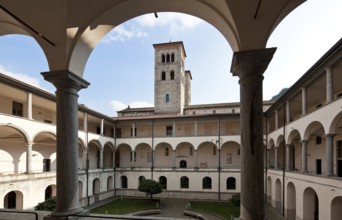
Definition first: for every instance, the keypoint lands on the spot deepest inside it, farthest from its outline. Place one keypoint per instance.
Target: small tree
(47, 205)
(150, 187)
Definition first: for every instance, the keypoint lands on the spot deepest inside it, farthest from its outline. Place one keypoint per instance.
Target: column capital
(330, 135)
(304, 141)
(65, 80)
(251, 61)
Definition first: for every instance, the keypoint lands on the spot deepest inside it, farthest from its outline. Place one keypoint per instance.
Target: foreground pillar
(249, 66)
(67, 85)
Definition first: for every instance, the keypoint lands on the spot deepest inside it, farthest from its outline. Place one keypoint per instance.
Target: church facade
(192, 150)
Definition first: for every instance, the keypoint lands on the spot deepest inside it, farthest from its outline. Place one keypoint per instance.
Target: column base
(63, 215)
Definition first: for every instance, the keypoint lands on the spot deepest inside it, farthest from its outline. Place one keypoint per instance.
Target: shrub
(236, 199)
(47, 205)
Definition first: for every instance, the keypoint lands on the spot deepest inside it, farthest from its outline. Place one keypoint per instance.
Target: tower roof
(170, 44)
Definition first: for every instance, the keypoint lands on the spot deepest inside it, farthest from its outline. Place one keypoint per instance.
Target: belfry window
(167, 98)
(168, 58)
(163, 58)
(163, 76)
(172, 57)
(172, 75)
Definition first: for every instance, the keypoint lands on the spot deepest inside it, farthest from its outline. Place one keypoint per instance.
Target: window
(172, 57)
(124, 182)
(233, 110)
(168, 58)
(163, 182)
(231, 183)
(141, 178)
(163, 58)
(318, 140)
(182, 164)
(172, 75)
(214, 150)
(184, 182)
(48, 192)
(98, 130)
(166, 153)
(169, 130)
(135, 132)
(167, 98)
(163, 77)
(214, 111)
(46, 165)
(17, 109)
(206, 183)
(193, 113)
(47, 121)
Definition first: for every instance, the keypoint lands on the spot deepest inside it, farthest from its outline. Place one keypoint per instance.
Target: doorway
(318, 166)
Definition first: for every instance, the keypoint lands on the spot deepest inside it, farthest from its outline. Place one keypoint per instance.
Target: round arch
(207, 154)
(186, 151)
(14, 200)
(143, 155)
(291, 201)
(310, 204)
(269, 190)
(335, 124)
(108, 157)
(163, 155)
(230, 155)
(312, 128)
(277, 195)
(336, 211)
(123, 155)
(94, 147)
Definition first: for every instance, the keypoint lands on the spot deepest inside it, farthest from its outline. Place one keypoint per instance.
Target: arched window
(167, 98)
(163, 76)
(48, 192)
(166, 152)
(163, 181)
(206, 183)
(172, 75)
(141, 178)
(172, 57)
(182, 164)
(231, 183)
(124, 182)
(168, 58)
(163, 58)
(10, 200)
(96, 186)
(184, 182)
(110, 183)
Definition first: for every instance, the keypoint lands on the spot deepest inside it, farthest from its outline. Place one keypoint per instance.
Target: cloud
(122, 34)
(118, 106)
(176, 21)
(22, 77)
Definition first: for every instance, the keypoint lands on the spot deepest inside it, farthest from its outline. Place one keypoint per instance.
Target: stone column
(174, 159)
(329, 85)
(329, 154)
(288, 156)
(304, 102)
(133, 158)
(101, 158)
(249, 66)
(288, 112)
(276, 120)
(29, 158)
(276, 157)
(196, 159)
(102, 126)
(304, 156)
(195, 128)
(29, 105)
(67, 84)
(174, 129)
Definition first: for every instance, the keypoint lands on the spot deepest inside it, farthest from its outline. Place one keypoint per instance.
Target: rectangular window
(318, 140)
(17, 109)
(214, 150)
(46, 165)
(169, 130)
(98, 130)
(135, 132)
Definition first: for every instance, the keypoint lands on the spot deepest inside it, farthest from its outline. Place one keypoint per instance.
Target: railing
(21, 212)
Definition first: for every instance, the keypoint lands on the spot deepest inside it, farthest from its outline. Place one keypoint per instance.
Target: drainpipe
(284, 161)
(267, 155)
(219, 160)
(152, 164)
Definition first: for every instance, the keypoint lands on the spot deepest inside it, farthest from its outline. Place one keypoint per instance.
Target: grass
(223, 209)
(119, 206)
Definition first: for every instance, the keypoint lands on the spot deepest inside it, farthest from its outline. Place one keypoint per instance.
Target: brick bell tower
(172, 83)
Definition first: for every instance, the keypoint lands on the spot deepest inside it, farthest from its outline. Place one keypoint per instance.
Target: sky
(121, 67)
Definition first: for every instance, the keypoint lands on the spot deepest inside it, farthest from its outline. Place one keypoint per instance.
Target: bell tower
(171, 81)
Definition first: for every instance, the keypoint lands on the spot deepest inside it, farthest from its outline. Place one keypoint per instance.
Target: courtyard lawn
(223, 209)
(119, 206)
